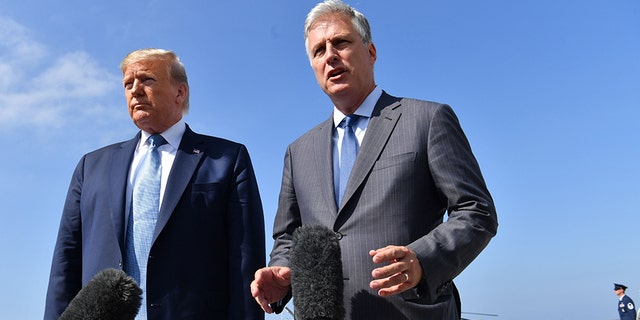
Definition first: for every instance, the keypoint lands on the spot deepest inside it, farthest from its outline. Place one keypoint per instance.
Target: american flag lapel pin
(196, 151)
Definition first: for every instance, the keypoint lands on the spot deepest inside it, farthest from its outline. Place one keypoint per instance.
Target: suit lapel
(185, 163)
(324, 162)
(118, 176)
(383, 120)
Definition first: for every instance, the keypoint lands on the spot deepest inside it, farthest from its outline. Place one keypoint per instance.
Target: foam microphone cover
(109, 295)
(316, 274)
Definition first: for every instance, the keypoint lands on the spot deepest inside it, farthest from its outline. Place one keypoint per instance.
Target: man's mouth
(139, 105)
(335, 73)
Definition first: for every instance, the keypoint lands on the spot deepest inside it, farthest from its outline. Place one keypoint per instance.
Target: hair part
(358, 20)
(175, 68)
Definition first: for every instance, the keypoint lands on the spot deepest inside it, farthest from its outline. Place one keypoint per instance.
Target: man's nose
(136, 88)
(331, 54)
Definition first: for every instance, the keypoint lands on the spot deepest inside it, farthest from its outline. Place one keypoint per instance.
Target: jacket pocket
(394, 160)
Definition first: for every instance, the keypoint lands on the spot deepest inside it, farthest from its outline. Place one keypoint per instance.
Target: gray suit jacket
(414, 165)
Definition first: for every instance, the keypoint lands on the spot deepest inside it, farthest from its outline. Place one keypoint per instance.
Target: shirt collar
(365, 109)
(173, 135)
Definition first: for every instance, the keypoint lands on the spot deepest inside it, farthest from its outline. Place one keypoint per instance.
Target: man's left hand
(402, 272)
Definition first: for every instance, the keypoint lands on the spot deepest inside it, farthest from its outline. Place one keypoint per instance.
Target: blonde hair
(175, 68)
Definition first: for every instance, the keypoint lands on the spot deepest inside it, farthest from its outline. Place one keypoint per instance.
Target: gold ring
(406, 277)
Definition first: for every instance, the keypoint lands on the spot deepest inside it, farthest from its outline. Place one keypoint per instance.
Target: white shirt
(364, 110)
(173, 135)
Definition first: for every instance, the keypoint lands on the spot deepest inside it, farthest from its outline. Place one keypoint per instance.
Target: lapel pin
(196, 151)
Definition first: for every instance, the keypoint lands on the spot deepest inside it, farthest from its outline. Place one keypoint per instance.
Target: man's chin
(141, 120)
(337, 89)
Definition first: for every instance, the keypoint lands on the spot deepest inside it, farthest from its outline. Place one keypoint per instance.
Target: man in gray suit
(413, 164)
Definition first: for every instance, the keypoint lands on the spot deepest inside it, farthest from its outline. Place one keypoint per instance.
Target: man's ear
(372, 53)
(183, 91)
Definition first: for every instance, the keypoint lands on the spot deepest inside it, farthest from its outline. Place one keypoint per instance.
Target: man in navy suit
(208, 238)
(414, 164)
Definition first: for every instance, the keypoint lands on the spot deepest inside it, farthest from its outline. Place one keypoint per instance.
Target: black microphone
(109, 295)
(316, 274)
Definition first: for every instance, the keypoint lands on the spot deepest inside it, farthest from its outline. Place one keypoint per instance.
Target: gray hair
(175, 68)
(358, 20)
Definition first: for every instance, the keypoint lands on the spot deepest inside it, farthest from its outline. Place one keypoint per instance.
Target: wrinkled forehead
(328, 27)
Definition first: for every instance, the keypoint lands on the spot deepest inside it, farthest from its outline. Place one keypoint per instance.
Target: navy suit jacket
(414, 165)
(208, 241)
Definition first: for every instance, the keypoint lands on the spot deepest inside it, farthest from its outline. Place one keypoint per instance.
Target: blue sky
(548, 93)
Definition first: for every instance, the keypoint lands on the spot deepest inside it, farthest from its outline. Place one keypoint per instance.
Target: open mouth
(336, 73)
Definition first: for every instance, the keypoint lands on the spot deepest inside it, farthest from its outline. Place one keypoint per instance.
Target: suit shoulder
(107, 149)
(213, 145)
(218, 141)
(426, 110)
(309, 135)
(411, 103)
(406, 104)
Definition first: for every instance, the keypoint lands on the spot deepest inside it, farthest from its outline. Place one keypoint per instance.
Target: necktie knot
(349, 121)
(156, 140)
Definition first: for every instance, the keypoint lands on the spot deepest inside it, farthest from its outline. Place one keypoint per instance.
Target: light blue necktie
(145, 203)
(348, 153)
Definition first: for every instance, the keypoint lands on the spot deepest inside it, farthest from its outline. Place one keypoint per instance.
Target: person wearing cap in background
(626, 308)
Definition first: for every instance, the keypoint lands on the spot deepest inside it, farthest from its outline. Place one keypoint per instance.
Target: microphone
(316, 274)
(109, 295)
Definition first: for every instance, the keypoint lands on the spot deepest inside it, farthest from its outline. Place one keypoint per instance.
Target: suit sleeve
(286, 221)
(287, 218)
(65, 279)
(247, 238)
(472, 222)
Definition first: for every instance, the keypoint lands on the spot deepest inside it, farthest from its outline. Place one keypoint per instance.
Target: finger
(387, 271)
(254, 289)
(391, 285)
(285, 275)
(258, 276)
(386, 292)
(258, 295)
(264, 304)
(394, 266)
(389, 253)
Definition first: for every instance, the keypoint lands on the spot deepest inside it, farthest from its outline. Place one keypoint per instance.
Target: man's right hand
(269, 285)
